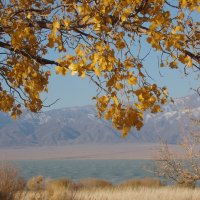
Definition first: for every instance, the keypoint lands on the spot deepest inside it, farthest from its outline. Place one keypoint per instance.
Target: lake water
(112, 170)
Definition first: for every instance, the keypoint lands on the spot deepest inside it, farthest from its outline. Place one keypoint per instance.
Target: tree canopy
(98, 39)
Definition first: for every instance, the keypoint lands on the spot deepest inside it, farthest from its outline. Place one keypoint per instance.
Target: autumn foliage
(100, 40)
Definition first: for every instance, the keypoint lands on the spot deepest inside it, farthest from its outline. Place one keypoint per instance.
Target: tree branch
(37, 58)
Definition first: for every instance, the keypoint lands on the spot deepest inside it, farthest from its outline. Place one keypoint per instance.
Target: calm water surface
(112, 170)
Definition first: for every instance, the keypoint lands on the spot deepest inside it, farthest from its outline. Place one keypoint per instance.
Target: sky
(76, 91)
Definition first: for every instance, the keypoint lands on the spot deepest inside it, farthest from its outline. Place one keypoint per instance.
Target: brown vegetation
(63, 183)
(183, 170)
(146, 182)
(94, 183)
(10, 182)
(36, 183)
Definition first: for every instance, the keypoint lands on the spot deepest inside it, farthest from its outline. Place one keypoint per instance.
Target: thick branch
(37, 58)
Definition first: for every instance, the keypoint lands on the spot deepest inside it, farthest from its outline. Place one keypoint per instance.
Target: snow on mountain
(78, 125)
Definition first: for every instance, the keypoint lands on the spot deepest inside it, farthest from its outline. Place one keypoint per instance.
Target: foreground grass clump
(92, 183)
(52, 186)
(146, 182)
(36, 183)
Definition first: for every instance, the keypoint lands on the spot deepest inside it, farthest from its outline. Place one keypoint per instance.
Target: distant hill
(80, 125)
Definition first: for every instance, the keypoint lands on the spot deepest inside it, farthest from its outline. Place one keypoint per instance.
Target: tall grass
(97, 189)
(140, 193)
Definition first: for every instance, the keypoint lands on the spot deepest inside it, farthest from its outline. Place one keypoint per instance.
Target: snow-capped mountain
(78, 125)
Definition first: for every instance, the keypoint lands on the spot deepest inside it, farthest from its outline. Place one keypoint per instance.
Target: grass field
(97, 189)
(142, 193)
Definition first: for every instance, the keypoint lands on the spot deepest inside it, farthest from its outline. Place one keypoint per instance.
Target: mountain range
(80, 125)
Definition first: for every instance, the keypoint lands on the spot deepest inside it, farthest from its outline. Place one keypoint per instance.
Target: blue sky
(75, 91)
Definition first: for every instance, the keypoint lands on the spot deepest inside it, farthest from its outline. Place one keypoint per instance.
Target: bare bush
(182, 168)
(10, 182)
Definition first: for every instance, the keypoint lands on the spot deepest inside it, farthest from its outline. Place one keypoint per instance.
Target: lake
(112, 170)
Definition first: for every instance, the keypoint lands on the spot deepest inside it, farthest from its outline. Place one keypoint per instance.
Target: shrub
(146, 182)
(10, 182)
(36, 183)
(186, 184)
(60, 184)
(94, 183)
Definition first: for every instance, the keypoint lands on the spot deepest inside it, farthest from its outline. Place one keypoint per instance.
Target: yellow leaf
(173, 65)
(123, 18)
(14, 116)
(83, 75)
(79, 52)
(128, 64)
(177, 28)
(181, 16)
(74, 73)
(139, 125)
(164, 90)
(61, 70)
(56, 25)
(73, 67)
(184, 3)
(162, 64)
(190, 63)
(125, 131)
(115, 99)
(97, 72)
(29, 15)
(156, 109)
(118, 86)
(132, 80)
(97, 19)
(108, 115)
(85, 19)
(66, 23)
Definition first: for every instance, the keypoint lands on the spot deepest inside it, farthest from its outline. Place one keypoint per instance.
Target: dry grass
(146, 182)
(10, 182)
(36, 183)
(164, 193)
(92, 183)
(39, 188)
(98, 189)
(64, 184)
(140, 193)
